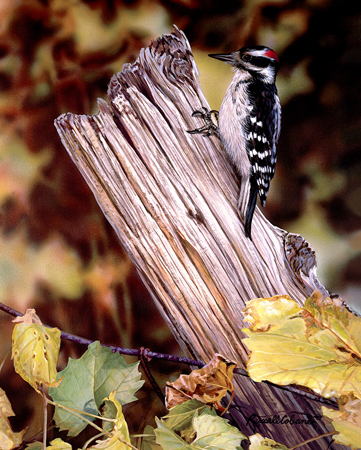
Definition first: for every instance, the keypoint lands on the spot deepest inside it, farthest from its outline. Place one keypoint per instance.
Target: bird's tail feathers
(251, 207)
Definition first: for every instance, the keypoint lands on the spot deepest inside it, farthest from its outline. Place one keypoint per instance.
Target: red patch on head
(271, 54)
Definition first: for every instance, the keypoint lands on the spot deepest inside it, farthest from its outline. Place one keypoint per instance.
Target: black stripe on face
(258, 61)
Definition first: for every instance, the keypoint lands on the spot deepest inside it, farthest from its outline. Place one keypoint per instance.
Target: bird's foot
(209, 128)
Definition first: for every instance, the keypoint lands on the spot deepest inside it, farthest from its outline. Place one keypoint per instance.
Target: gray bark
(172, 200)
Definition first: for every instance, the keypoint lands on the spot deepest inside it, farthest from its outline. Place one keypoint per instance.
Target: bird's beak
(229, 58)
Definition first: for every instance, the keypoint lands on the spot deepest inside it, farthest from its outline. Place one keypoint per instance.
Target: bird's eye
(246, 57)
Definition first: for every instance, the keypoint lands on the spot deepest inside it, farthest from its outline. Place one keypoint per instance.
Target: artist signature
(294, 418)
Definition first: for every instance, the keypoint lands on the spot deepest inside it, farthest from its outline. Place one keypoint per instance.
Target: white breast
(234, 109)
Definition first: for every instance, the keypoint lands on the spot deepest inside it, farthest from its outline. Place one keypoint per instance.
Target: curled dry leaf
(28, 318)
(208, 384)
(35, 350)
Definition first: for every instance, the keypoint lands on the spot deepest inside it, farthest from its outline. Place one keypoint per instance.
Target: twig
(330, 433)
(143, 357)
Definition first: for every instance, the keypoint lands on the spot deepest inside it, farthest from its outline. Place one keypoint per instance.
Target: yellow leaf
(5, 406)
(318, 348)
(258, 442)
(263, 313)
(35, 350)
(347, 421)
(119, 436)
(58, 444)
(35, 445)
(208, 384)
(333, 315)
(8, 439)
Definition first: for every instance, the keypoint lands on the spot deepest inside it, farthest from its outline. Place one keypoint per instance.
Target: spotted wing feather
(262, 135)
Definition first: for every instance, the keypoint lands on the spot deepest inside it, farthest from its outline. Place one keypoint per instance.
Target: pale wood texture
(172, 197)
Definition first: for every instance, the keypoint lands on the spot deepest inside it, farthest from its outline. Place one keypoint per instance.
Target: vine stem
(330, 433)
(114, 349)
(85, 446)
(45, 417)
(81, 416)
(166, 357)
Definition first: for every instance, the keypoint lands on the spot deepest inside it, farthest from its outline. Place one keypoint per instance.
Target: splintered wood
(172, 200)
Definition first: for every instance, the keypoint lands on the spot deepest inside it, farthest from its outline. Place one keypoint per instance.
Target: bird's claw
(209, 128)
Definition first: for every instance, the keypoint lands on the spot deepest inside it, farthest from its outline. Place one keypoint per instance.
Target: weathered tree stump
(172, 200)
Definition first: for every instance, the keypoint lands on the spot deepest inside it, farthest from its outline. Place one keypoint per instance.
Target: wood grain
(172, 200)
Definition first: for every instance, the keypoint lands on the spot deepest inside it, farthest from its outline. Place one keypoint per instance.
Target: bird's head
(261, 62)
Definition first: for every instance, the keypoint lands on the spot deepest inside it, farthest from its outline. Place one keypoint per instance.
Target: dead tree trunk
(171, 197)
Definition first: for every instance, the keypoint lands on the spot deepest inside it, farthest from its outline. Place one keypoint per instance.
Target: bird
(249, 122)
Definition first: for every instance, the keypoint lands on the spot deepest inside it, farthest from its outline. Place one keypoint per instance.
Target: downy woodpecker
(249, 121)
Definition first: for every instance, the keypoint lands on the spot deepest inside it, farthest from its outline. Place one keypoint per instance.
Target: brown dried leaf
(208, 384)
(28, 318)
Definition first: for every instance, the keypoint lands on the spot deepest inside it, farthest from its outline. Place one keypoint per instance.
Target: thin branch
(115, 349)
(171, 358)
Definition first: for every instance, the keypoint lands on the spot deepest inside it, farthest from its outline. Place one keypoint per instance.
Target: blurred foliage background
(57, 252)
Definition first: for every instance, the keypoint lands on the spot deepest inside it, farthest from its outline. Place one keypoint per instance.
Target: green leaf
(75, 392)
(112, 373)
(90, 379)
(147, 441)
(36, 445)
(215, 433)
(180, 417)
(168, 439)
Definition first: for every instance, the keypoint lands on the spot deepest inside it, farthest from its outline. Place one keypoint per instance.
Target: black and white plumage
(250, 121)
